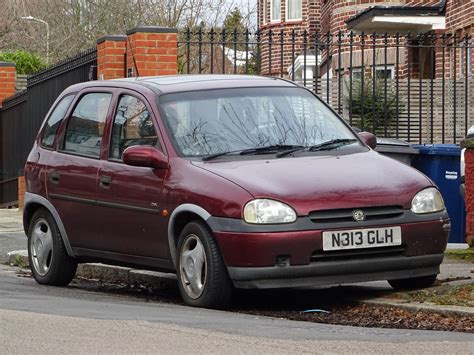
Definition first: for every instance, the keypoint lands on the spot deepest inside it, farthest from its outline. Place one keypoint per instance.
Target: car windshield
(212, 122)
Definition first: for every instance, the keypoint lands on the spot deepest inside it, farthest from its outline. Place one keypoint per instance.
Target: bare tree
(76, 24)
(8, 22)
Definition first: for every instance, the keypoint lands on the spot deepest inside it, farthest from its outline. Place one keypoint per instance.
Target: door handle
(54, 177)
(105, 181)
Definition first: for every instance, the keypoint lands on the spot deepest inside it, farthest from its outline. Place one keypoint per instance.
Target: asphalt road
(42, 319)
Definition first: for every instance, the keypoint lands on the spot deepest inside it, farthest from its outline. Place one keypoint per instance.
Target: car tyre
(413, 283)
(48, 258)
(202, 276)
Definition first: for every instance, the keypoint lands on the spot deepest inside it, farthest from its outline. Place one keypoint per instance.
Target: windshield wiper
(216, 155)
(332, 144)
(260, 150)
(289, 151)
(322, 146)
(270, 148)
(284, 149)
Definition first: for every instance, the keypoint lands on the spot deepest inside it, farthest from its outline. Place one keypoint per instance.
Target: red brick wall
(111, 57)
(21, 191)
(422, 2)
(459, 16)
(7, 80)
(152, 51)
(469, 161)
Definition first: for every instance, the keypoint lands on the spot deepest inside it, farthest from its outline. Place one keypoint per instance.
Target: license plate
(362, 238)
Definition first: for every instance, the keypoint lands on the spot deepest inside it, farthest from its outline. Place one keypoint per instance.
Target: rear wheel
(202, 276)
(413, 283)
(49, 261)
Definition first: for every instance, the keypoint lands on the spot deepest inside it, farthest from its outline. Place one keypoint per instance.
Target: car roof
(180, 83)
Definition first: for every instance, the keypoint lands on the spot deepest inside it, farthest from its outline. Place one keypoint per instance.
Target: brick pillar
(152, 51)
(111, 57)
(7, 80)
(469, 199)
(21, 191)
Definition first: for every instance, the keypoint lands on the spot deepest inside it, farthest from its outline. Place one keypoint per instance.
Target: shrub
(26, 62)
(378, 110)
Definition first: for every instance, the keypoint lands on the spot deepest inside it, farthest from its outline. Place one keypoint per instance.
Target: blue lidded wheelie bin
(441, 163)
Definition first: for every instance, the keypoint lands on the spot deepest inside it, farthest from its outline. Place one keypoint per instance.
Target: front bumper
(336, 272)
(282, 256)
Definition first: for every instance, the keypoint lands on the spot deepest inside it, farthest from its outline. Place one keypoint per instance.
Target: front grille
(320, 255)
(345, 215)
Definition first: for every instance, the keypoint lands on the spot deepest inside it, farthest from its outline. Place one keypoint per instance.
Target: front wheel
(202, 276)
(413, 283)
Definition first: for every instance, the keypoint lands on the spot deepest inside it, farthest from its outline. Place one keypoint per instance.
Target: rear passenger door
(131, 196)
(72, 169)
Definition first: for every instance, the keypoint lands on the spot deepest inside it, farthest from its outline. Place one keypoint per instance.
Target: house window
(264, 11)
(384, 72)
(293, 10)
(356, 73)
(275, 10)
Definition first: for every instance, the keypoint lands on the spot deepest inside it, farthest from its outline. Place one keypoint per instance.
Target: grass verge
(461, 254)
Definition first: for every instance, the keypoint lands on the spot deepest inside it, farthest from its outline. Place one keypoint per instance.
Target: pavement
(13, 244)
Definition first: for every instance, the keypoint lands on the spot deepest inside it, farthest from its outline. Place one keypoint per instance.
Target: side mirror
(145, 156)
(369, 139)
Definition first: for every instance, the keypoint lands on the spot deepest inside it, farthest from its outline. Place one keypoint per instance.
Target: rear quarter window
(54, 120)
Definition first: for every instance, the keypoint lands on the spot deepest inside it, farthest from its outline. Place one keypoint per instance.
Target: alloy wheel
(193, 264)
(41, 247)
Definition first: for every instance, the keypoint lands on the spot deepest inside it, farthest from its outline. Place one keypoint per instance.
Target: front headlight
(264, 211)
(427, 201)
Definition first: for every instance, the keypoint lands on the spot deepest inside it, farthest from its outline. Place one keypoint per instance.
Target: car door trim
(72, 198)
(31, 198)
(106, 204)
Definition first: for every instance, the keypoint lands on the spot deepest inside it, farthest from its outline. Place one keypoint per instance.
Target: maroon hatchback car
(229, 181)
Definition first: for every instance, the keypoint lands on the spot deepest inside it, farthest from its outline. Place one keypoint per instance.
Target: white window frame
(271, 12)
(287, 18)
(264, 12)
(390, 67)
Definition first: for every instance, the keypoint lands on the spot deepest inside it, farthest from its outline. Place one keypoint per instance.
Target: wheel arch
(32, 203)
(181, 216)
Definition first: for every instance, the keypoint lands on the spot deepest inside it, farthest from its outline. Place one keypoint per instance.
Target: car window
(86, 124)
(133, 125)
(54, 120)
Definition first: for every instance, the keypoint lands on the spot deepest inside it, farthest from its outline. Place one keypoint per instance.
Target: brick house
(422, 51)
(291, 18)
